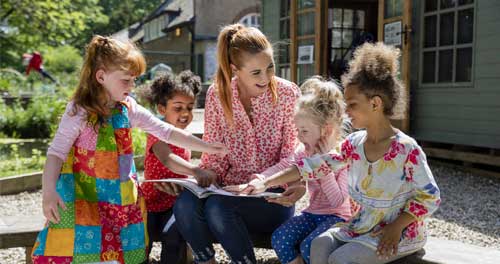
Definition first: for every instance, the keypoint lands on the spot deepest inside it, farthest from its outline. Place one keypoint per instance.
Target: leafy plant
(139, 139)
(19, 165)
(39, 120)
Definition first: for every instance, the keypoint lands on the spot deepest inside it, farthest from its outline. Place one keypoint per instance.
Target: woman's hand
(205, 177)
(169, 187)
(51, 201)
(290, 196)
(389, 240)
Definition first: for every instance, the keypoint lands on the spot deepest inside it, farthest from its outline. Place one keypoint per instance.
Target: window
(154, 28)
(251, 20)
(347, 29)
(447, 41)
(306, 18)
(284, 44)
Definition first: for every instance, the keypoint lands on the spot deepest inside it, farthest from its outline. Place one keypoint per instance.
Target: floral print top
(156, 200)
(401, 181)
(253, 146)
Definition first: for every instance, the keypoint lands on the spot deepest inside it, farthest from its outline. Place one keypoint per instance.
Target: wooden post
(28, 254)
(406, 60)
(317, 37)
(293, 40)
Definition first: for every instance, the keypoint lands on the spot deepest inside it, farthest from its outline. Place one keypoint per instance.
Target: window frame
(454, 47)
(248, 17)
(153, 29)
(286, 66)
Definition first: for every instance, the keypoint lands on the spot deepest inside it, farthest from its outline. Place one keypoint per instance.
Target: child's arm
(50, 198)
(427, 195)
(67, 132)
(310, 168)
(281, 165)
(180, 166)
(184, 139)
(142, 118)
(335, 188)
(391, 234)
(423, 204)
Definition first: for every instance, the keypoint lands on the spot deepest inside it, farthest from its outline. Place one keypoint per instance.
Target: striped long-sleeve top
(328, 195)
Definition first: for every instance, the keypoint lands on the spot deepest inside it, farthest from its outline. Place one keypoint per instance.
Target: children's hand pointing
(255, 186)
(218, 148)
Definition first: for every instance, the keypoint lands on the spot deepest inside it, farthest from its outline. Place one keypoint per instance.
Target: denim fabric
(298, 233)
(227, 220)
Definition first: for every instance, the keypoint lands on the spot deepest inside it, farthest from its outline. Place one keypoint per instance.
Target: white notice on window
(305, 54)
(392, 33)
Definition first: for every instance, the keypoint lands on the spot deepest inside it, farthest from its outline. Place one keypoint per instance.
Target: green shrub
(19, 165)
(139, 139)
(39, 120)
(61, 59)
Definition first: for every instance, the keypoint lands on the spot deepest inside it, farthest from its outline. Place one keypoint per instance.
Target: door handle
(407, 31)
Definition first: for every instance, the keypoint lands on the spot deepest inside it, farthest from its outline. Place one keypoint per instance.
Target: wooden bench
(20, 231)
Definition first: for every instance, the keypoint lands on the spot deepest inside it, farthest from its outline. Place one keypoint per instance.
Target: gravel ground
(470, 212)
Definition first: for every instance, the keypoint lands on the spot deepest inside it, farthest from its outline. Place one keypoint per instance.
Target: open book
(192, 185)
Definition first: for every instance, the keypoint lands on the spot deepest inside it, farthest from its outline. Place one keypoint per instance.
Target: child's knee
(320, 248)
(322, 241)
(277, 237)
(305, 248)
(337, 258)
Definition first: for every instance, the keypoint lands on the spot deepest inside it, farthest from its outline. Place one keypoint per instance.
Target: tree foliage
(26, 24)
(53, 23)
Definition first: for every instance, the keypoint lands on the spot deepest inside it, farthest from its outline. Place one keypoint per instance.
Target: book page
(192, 185)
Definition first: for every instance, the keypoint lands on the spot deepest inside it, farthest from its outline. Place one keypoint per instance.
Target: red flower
(412, 230)
(324, 169)
(348, 151)
(417, 209)
(396, 148)
(412, 156)
(409, 174)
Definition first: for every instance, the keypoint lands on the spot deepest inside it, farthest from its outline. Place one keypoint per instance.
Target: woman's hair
(110, 55)
(374, 71)
(232, 42)
(167, 86)
(323, 102)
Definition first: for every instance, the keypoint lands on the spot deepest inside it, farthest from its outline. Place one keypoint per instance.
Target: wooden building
(450, 60)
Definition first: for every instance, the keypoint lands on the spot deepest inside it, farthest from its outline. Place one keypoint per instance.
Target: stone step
(441, 251)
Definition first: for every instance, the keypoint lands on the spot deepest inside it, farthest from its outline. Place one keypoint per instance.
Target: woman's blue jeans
(228, 221)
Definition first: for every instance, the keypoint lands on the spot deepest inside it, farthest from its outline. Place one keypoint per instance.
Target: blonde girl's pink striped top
(328, 195)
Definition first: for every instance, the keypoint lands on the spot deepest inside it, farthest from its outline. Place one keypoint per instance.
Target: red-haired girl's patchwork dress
(105, 215)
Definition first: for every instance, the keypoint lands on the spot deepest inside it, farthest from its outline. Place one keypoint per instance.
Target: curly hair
(167, 86)
(374, 71)
(323, 101)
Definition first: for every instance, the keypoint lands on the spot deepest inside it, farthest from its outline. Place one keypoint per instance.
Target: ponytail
(233, 40)
(224, 71)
